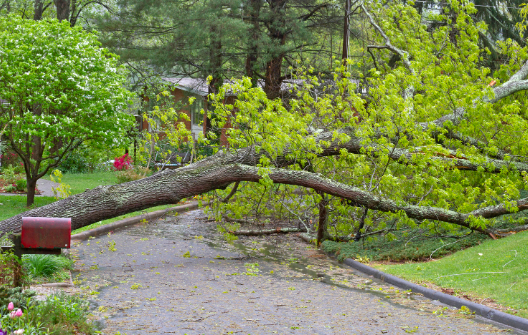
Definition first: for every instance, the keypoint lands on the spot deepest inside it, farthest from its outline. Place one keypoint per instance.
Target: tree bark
(253, 40)
(31, 190)
(323, 217)
(273, 79)
(268, 231)
(63, 9)
(39, 9)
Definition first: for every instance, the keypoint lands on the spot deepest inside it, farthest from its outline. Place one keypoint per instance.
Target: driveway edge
(484, 311)
(133, 220)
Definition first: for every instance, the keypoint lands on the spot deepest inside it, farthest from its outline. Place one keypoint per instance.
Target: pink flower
(19, 332)
(10, 307)
(18, 312)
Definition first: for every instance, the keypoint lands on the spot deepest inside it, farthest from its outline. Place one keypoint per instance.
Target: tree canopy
(61, 89)
(430, 138)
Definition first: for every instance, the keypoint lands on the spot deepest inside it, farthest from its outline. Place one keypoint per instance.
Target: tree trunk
(273, 79)
(39, 9)
(31, 190)
(63, 9)
(277, 28)
(361, 225)
(253, 41)
(346, 32)
(217, 172)
(323, 217)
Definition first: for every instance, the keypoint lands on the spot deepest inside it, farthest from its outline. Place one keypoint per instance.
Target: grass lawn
(81, 181)
(496, 269)
(16, 204)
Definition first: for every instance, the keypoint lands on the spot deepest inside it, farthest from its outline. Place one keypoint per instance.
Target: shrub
(122, 163)
(9, 174)
(131, 174)
(10, 188)
(17, 295)
(21, 184)
(75, 163)
(45, 265)
(65, 314)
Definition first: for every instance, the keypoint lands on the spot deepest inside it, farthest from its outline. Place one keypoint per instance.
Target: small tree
(62, 89)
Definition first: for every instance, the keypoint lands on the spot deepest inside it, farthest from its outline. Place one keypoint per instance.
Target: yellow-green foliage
(63, 190)
(445, 76)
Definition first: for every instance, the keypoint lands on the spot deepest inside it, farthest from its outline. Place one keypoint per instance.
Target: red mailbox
(46, 233)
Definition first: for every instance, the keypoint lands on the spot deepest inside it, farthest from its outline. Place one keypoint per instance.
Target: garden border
(132, 221)
(484, 311)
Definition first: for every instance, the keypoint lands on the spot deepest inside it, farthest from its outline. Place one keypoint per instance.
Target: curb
(133, 220)
(484, 311)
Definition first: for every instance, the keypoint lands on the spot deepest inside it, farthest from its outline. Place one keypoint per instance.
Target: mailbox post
(40, 236)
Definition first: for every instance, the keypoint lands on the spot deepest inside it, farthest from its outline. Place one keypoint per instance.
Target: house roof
(199, 86)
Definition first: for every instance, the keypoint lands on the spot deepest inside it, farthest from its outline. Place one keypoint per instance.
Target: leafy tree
(62, 89)
(70, 10)
(435, 141)
(224, 39)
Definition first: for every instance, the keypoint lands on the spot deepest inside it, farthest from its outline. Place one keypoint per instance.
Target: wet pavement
(177, 275)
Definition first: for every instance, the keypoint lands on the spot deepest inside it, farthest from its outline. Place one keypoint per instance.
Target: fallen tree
(435, 143)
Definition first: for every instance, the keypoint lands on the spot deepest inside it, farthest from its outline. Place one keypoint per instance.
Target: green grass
(16, 204)
(45, 265)
(496, 269)
(80, 182)
(104, 222)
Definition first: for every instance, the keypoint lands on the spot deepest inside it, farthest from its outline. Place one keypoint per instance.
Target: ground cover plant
(57, 314)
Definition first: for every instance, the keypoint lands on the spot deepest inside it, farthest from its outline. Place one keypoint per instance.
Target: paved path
(176, 276)
(44, 186)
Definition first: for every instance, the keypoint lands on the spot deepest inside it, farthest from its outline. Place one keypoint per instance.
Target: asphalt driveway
(177, 276)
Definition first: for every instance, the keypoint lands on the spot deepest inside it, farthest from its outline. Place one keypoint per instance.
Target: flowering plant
(122, 163)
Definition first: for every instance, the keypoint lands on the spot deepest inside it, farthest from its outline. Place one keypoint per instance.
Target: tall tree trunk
(253, 41)
(63, 9)
(215, 70)
(39, 9)
(277, 28)
(273, 77)
(346, 32)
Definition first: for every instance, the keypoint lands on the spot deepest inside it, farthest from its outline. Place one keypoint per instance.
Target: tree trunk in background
(253, 40)
(39, 9)
(346, 31)
(63, 9)
(273, 79)
(277, 30)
